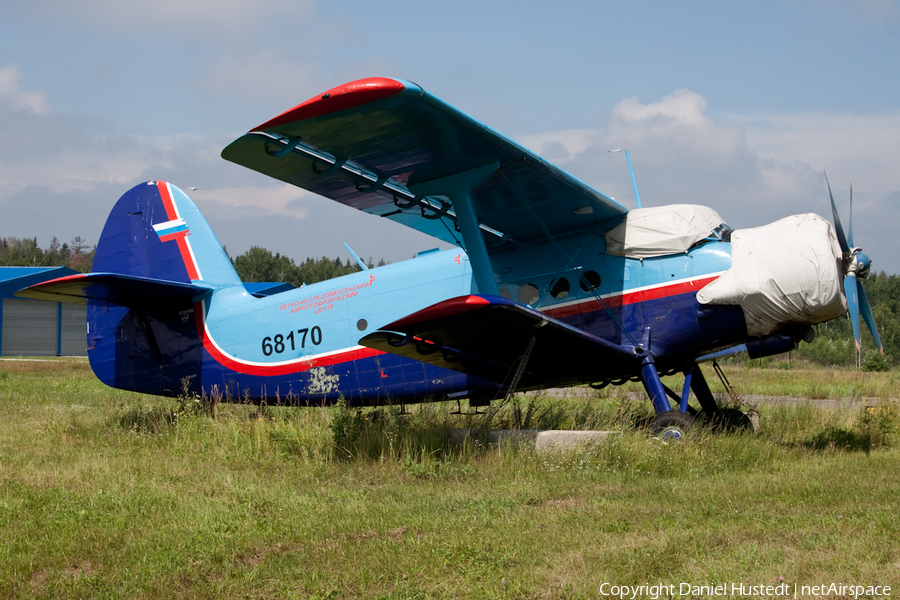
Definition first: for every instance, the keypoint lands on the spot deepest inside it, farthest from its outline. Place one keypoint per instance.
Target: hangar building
(37, 327)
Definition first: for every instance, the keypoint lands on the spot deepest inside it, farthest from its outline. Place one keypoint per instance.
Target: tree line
(258, 264)
(834, 344)
(255, 265)
(77, 254)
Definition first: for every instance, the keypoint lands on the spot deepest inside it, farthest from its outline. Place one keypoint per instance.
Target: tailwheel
(671, 425)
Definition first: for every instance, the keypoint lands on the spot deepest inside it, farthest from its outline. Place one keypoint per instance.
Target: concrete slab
(546, 440)
(559, 440)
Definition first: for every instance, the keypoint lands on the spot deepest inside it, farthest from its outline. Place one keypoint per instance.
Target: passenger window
(559, 288)
(528, 293)
(590, 280)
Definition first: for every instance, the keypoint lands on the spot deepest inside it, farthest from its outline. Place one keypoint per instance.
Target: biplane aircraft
(551, 283)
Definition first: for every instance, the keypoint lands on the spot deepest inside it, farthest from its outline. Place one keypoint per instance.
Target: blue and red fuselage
(302, 346)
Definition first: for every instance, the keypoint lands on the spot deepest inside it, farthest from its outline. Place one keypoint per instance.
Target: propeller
(856, 268)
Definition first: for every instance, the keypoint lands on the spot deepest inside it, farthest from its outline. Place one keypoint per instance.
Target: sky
(736, 106)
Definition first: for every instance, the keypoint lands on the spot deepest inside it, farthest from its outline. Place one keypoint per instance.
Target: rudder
(148, 341)
(156, 231)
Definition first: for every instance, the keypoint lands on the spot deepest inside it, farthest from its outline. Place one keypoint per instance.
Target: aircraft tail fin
(156, 261)
(156, 232)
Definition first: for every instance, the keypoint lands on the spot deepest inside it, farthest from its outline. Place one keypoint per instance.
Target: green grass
(106, 494)
(797, 379)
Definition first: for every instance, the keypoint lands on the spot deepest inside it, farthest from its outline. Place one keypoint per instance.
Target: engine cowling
(782, 275)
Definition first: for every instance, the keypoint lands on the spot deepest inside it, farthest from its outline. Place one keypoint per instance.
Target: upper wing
(366, 143)
(489, 337)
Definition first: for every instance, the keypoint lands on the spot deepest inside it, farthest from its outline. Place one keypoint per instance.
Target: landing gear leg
(702, 392)
(668, 424)
(672, 423)
(723, 418)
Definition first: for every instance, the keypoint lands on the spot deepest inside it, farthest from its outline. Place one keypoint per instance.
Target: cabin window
(362, 324)
(528, 293)
(590, 280)
(505, 293)
(559, 288)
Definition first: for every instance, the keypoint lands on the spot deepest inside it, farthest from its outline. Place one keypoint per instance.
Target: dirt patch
(396, 534)
(569, 502)
(258, 555)
(41, 578)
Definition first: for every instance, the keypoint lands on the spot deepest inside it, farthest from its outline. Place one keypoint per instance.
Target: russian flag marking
(171, 230)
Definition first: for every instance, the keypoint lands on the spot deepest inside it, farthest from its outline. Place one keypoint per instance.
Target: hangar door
(36, 328)
(73, 329)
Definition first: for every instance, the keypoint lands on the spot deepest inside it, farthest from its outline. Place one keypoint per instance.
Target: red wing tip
(349, 95)
(65, 279)
(446, 308)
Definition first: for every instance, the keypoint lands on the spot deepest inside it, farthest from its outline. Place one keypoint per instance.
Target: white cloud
(862, 148)
(60, 174)
(264, 199)
(753, 169)
(680, 119)
(680, 108)
(14, 97)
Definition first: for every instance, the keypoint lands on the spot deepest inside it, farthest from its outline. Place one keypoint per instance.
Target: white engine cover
(783, 273)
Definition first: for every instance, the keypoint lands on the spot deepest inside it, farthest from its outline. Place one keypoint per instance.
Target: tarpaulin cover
(663, 230)
(786, 272)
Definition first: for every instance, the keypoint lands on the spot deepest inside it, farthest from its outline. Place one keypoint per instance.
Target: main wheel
(671, 425)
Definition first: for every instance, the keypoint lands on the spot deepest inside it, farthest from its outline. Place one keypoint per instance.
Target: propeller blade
(852, 294)
(850, 230)
(837, 223)
(867, 315)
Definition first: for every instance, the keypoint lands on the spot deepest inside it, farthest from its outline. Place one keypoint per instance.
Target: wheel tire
(671, 425)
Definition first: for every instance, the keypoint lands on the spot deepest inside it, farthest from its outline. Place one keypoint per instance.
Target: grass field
(107, 494)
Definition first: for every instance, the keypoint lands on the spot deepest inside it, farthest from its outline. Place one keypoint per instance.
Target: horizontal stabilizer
(488, 336)
(124, 290)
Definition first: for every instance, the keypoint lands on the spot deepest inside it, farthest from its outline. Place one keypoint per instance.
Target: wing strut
(572, 265)
(458, 188)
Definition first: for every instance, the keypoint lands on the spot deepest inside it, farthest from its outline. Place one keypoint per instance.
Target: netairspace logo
(782, 590)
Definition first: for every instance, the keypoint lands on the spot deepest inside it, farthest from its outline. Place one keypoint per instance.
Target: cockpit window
(722, 233)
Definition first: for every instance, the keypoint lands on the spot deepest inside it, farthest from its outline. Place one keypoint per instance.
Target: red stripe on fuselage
(617, 300)
(352, 354)
(297, 366)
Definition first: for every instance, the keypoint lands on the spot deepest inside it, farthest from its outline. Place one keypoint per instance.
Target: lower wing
(495, 338)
